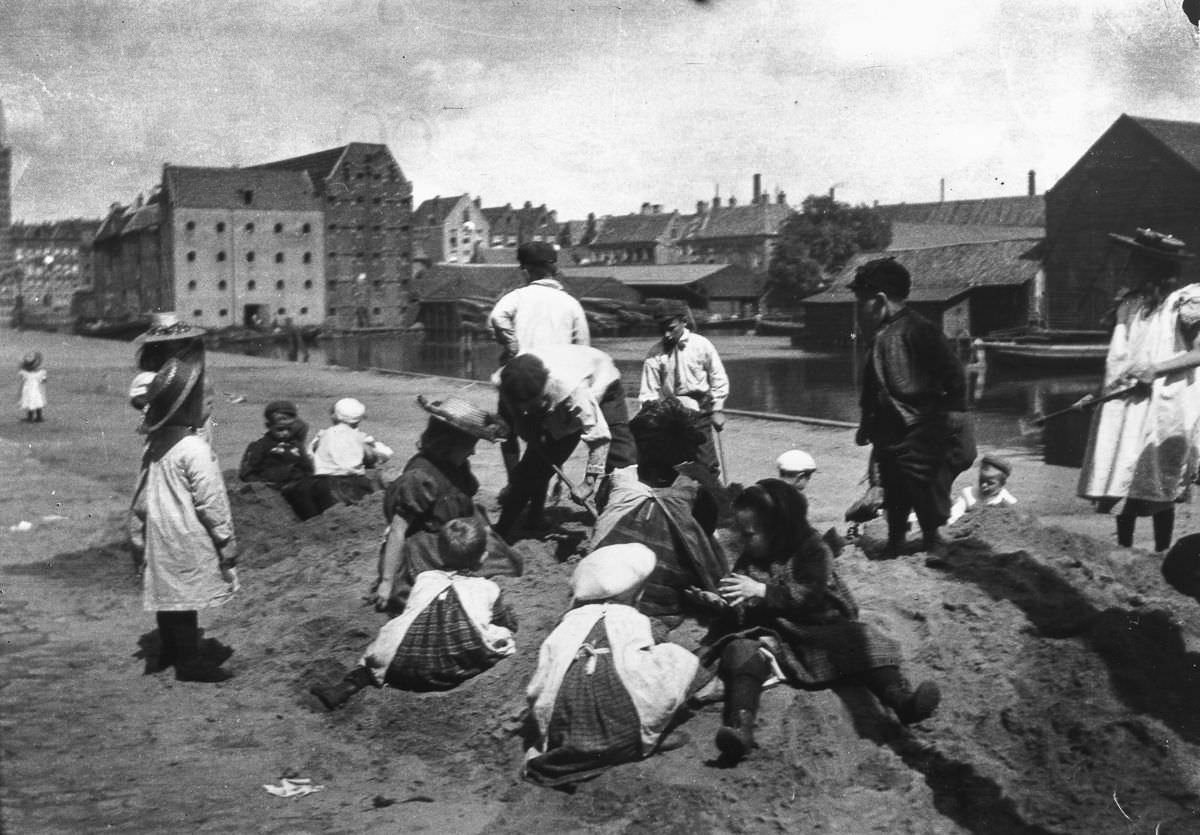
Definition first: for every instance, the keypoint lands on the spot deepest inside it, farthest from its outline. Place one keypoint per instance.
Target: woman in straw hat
(180, 523)
(33, 387)
(437, 485)
(1144, 447)
(604, 691)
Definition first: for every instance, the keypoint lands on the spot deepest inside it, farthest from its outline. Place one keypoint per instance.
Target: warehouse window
(278, 257)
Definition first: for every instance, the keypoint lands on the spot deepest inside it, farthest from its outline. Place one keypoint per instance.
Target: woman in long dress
(1144, 447)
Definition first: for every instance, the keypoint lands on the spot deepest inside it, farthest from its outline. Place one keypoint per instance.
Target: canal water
(767, 375)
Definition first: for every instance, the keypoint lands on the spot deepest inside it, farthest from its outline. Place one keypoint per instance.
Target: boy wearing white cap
(796, 467)
(604, 693)
(341, 455)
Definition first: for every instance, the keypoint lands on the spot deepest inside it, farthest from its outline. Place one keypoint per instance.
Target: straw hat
(32, 361)
(165, 326)
(612, 570)
(169, 391)
(464, 417)
(1153, 243)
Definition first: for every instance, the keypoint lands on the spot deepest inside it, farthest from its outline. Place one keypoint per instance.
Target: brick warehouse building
(324, 238)
(368, 261)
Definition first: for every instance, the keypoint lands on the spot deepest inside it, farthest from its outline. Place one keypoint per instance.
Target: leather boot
(1164, 528)
(191, 665)
(893, 690)
(736, 738)
(167, 651)
(1125, 526)
(334, 696)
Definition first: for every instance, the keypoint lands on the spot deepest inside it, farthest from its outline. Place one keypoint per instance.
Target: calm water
(767, 375)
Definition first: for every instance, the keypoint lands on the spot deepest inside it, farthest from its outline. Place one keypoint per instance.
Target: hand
(380, 596)
(738, 588)
(582, 494)
(1144, 374)
(704, 598)
(718, 420)
(227, 554)
(230, 575)
(861, 438)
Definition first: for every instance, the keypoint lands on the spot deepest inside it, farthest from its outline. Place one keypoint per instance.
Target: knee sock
(888, 685)
(1125, 526)
(1164, 528)
(743, 670)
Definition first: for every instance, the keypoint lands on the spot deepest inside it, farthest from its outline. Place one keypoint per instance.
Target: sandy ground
(1069, 669)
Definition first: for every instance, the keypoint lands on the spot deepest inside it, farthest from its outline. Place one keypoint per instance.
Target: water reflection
(766, 376)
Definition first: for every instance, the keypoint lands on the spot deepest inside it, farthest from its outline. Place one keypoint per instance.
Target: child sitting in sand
(341, 455)
(604, 693)
(993, 476)
(796, 467)
(456, 626)
(33, 387)
(279, 457)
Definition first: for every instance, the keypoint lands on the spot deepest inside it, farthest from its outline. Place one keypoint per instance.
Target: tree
(817, 241)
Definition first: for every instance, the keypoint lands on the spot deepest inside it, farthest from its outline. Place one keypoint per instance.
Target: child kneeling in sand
(604, 693)
(341, 455)
(279, 457)
(455, 626)
(992, 492)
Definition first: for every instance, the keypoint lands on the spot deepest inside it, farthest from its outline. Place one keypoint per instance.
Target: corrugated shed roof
(1181, 137)
(225, 188)
(921, 235)
(650, 275)
(735, 283)
(751, 220)
(451, 282)
(433, 212)
(633, 229)
(943, 272)
(986, 211)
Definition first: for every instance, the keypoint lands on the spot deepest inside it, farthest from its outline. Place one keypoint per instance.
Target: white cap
(612, 570)
(795, 461)
(349, 410)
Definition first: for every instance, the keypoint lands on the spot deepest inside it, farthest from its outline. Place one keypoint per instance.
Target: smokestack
(645, 208)
(1032, 183)
(757, 189)
(942, 190)
(701, 207)
(832, 192)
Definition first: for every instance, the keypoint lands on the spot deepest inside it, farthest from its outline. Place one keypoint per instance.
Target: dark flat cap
(883, 275)
(536, 253)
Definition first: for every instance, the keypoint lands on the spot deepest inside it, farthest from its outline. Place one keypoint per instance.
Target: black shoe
(215, 652)
(736, 739)
(920, 705)
(334, 696)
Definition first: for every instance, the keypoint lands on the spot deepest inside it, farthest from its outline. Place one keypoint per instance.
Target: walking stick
(1088, 401)
(721, 456)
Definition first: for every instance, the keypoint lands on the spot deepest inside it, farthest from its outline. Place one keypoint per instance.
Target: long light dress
(33, 389)
(1146, 447)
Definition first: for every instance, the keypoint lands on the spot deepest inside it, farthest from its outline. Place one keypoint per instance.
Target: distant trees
(819, 240)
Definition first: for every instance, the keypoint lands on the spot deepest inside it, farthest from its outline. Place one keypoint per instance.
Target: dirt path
(1070, 670)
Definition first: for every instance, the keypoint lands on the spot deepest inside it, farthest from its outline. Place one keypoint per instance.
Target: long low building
(719, 291)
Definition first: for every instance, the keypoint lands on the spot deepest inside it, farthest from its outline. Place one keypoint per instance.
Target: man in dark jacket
(913, 404)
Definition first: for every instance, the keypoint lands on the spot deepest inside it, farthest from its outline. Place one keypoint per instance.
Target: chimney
(782, 198)
(657, 208)
(701, 207)
(716, 201)
(732, 201)
(942, 190)
(478, 201)
(645, 208)
(528, 204)
(1032, 183)
(832, 192)
(757, 188)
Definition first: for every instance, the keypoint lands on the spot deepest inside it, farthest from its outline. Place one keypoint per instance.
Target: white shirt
(539, 315)
(970, 497)
(691, 371)
(343, 449)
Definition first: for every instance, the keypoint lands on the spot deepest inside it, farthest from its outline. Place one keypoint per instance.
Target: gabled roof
(730, 280)
(226, 188)
(986, 211)
(321, 165)
(69, 231)
(633, 229)
(433, 212)
(1182, 138)
(751, 220)
(147, 217)
(495, 213)
(941, 273)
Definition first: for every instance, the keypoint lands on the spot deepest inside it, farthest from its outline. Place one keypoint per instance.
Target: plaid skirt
(594, 724)
(441, 649)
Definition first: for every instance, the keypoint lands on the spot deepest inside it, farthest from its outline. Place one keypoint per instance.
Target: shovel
(1088, 401)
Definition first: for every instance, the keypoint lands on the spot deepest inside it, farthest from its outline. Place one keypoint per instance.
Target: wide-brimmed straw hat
(32, 361)
(165, 326)
(1157, 244)
(476, 422)
(169, 391)
(612, 570)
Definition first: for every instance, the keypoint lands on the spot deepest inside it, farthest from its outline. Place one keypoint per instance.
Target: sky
(586, 106)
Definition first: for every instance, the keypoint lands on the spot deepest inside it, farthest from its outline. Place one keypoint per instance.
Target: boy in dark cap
(685, 366)
(992, 492)
(279, 457)
(913, 403)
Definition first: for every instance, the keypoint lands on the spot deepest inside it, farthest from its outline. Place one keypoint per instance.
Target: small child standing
(279, 457)
(993, 476)
(33, 387)
(455, 626)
